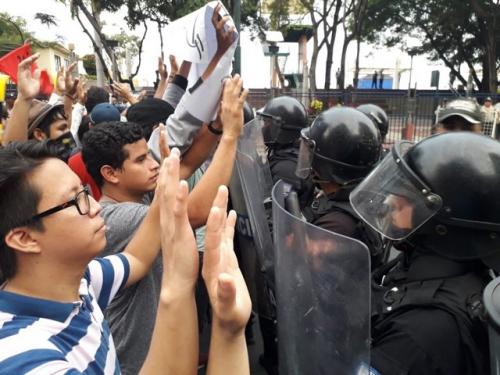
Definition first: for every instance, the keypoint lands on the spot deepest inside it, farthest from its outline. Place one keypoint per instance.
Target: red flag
(9, 63)
(46, 86)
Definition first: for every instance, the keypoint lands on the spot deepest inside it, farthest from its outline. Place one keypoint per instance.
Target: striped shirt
(48, 337)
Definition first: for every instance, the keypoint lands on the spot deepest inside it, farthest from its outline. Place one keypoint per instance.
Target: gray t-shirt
(132, 313)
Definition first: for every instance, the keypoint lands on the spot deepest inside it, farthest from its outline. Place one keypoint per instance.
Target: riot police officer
(438, 198)
(378, 116)
(284, 117)
(339, 149)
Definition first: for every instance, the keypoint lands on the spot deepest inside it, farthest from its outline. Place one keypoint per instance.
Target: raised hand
(81, 91)
(162, 69)
(225, 38)
(123, 90)
(28, 83)
(70, 83)
(163, 144)
(226, 287)
(180, 254)
(60, 84)
(231, 112)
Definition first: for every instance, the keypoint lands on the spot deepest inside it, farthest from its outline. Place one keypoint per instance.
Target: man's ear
(20, 239)
(109, 174)
(39, 135)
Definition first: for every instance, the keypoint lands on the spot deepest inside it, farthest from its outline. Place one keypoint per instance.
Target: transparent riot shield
(323, 295)
(250, 191)
(491, 298)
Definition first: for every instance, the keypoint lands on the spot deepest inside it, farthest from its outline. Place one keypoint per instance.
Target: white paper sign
(193, 38)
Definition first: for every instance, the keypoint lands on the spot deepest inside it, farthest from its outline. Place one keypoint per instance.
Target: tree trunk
(97, 28)
(329, 63)
(492, 57)
(312, 68)
(347, 41)
(94, 44)
(356, 71)
(489, 16)
(161, 38)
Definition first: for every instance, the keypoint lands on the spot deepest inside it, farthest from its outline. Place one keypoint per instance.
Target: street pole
(411, 71)
(237, 23)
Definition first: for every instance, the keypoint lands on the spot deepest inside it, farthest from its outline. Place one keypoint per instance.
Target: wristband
(212, 129)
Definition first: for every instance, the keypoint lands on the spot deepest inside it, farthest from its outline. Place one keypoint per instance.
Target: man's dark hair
(95, 95)
(456, 123)
(103, 145)
(19, 197)
(56, 114)
(84, 126)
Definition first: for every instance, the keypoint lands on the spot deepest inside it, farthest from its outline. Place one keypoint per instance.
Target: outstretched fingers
(26, 63)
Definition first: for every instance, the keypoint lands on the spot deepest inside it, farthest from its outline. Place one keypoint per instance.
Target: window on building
(58, 62)
(66, 63)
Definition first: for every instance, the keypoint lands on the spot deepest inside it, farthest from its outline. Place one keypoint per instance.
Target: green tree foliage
(89, 64)
(13, 32)
(448, 30)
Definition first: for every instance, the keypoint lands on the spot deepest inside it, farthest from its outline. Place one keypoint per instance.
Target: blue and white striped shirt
(47, 337)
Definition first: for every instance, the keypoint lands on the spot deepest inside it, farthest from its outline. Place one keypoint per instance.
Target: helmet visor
(392, 199)
(306, 154)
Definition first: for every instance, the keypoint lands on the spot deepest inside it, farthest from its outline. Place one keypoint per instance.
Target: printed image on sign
(197, 41)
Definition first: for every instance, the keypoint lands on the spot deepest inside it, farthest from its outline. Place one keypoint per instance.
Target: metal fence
(412, 115)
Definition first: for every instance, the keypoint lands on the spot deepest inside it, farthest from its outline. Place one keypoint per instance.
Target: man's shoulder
(121, 210)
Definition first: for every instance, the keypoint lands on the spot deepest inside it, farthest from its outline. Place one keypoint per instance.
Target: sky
(255, 66)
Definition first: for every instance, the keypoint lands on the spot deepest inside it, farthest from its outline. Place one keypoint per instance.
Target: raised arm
(163, 82)
(228, 295)
(221, 168)
(174, 344)
(28, 86)
(70, 85)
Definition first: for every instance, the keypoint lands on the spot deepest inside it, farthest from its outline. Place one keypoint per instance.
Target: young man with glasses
(51, 297)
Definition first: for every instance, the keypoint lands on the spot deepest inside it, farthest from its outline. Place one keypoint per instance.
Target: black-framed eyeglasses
(81, 201)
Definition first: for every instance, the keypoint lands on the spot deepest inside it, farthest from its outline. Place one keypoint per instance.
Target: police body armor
(340, 202)
(323, 293)
(408, 283)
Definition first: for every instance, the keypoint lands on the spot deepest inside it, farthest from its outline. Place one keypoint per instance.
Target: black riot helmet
(378, 116)
(440, 195)
(342, 145)
(284, 117)
(248, 114)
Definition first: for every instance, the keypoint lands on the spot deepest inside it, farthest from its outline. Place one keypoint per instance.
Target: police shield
(251, 191)
(323, 295)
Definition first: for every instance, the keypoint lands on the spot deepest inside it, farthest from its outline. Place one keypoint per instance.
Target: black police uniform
(283, 164)
(334, 212)
(426, 317)
(427, 304)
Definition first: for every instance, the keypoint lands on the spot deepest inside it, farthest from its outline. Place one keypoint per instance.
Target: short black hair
(19, 197)
(103, 145)
(84, 126)
(55, 114)
(456, 123)
(95, 95)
